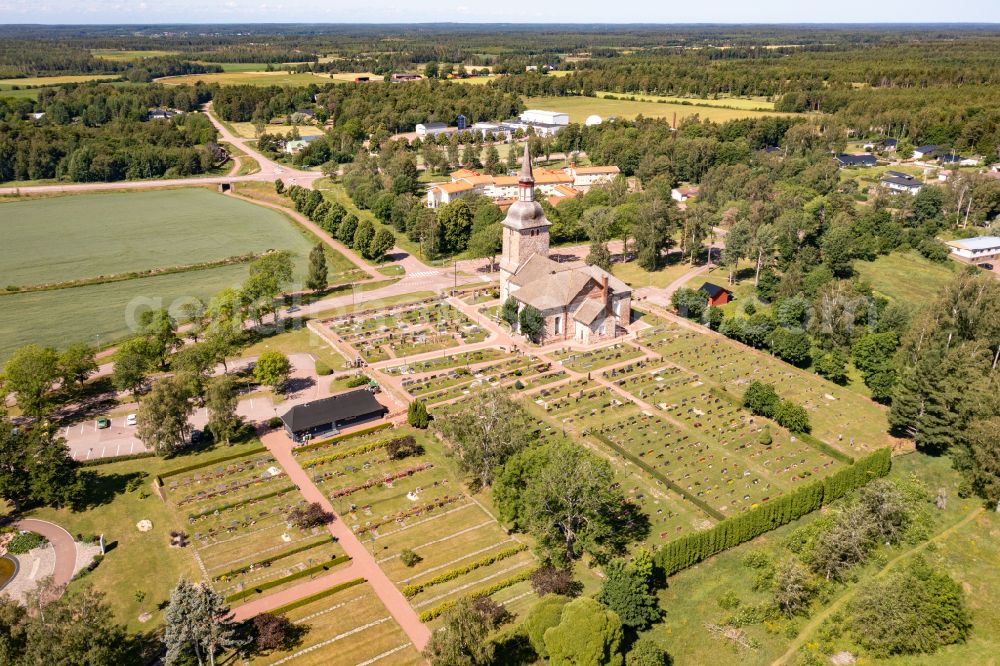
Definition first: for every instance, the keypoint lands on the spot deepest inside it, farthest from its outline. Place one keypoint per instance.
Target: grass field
(253, 78)
(746, 104)
(247, 131)
(908, 277)
(120, 55)
(61, 238)
(134, 555)
(56, 80)
(579, 108)
(636, 276)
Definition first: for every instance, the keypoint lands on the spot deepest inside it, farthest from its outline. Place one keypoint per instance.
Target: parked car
(103, 422)
(986, 266)
(130, 420)
(196, 436)
(292, 309)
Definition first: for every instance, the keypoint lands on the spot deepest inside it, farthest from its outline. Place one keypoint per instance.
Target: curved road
(62, 542)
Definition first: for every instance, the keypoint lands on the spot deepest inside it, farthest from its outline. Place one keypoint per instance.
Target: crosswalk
(423, 274)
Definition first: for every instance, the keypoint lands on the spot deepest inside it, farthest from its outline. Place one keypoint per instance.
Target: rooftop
(978, 243)
(341, 407)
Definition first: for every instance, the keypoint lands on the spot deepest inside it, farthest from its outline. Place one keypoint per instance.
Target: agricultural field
(906, 277)
(410, 501)
(124, 55)
(579, 108)
(85, 237)
(247, 130)
(742, 103)
(407, 331)
(56, 80)
(255, 77)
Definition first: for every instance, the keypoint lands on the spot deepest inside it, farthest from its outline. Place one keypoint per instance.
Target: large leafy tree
(627, 590)
(272, 369)
(530, 322)
(163, 415)
(221, 400)
(36, 467)
(587, 634)
(463, 640)
(486, 431)
(197, 621)
(317, 277)
(566, 498)
(76, 363)
(30, 374)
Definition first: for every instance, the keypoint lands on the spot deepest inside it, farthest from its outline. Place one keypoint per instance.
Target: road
(61, 541)
(269, 172)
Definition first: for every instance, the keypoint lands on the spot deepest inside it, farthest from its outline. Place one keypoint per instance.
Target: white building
(896, 181)
(980, 248)
(432, 129)
(536, 116)
(586, 177)
(297, 145)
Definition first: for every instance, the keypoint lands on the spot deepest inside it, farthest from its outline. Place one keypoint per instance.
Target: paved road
(363, 564)
(61, 541)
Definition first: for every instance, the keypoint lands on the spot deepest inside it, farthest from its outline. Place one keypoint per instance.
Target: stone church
(577, 302)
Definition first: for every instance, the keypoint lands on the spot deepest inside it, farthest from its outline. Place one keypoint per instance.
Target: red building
(716, 294)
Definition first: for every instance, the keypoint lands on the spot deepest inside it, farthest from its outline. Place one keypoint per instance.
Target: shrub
(417, 416)
(322, 369)
(271, 631)
(25, 541)
(403, 447)
(274, 422)
(543, 615)
(357, 380)
(792, 416)
(550, 580)
(761, 399)
(409, 558)
(313, 515)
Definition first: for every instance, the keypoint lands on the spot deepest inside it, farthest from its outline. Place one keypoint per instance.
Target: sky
(497, 11)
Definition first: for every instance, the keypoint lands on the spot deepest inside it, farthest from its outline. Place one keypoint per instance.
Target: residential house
(682, 194)
(897, 181)
(298, 145)
(586, 177)
(425, 130)
(404, 78)
(847, 160)
(920, 152)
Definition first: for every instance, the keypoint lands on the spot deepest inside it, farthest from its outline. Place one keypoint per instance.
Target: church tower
(525, 229)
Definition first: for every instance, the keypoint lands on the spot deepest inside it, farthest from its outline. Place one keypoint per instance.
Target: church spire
(526, 179)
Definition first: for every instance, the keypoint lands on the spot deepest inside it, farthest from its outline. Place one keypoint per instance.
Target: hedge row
(416, 588)
(814, 442)
(208, 463)
(659, 477)
(241, 502)
(357, 450)
(340, 438)
(298, 603)
(274, 558)
(257, 589)
(94, 462)
(693, 548)
(520, 577)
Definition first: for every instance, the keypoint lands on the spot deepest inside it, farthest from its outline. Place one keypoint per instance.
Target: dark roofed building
(329, 415)
(846, 160)
(716, 295)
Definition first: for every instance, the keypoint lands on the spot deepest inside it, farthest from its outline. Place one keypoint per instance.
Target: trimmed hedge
(274, 558)
(416, 588)
(364, 448)
(257, 589)
(639, 462)
(208, 463)
(280, 610)
(340, 438)
(429, 615)
(685, 551)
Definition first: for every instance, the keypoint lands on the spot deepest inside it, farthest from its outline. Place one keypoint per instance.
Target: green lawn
(579, 108)
(906, 277)
(744, 103)
(62, 238)
(135, 560)
(969, 554)
(57, 80)
(636, 276)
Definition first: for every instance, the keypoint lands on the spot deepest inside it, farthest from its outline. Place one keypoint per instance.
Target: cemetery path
(62, 542)
(363, 564)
